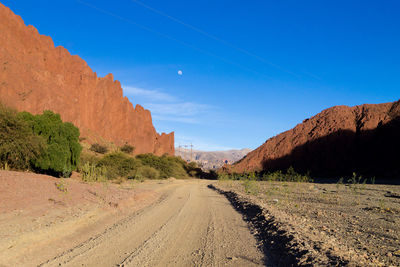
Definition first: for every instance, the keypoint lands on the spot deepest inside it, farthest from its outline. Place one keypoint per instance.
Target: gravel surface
(324, 224)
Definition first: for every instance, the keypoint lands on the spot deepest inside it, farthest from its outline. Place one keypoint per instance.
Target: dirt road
(190, 225)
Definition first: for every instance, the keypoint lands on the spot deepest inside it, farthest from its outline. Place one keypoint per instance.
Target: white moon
(180, 72)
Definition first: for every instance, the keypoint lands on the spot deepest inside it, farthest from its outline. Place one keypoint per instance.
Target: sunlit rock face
(337, 141)
(35, 76)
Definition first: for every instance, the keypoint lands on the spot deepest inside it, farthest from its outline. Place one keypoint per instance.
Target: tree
(63, 150)
(18, 144)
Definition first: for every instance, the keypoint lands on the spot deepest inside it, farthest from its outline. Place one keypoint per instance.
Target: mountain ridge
(337, 141)
(212, 159)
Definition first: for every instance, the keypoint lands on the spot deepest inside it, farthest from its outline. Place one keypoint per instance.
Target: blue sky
(250, 69)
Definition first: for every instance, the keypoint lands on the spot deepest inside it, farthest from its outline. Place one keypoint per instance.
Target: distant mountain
(212, 159)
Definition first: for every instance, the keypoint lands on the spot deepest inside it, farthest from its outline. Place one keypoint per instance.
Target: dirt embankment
(41, 216)
(321, 224)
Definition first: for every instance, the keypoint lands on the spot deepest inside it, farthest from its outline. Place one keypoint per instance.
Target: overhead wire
(146, 28)
(211, 36)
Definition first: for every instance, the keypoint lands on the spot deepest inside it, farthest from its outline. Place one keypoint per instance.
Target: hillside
(338, 141)
(35, 76)
(212, 159)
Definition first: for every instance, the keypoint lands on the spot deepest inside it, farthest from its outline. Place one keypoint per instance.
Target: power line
(171, 38)
(198, 30)
(191, 152)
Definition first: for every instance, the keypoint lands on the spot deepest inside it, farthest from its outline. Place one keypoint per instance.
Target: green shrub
(128, 149)
(146, 166)
(18, 144)
(274, 176)
(168, 166)
(223, 176)
(62, 152)
(250, 187)
(87, 157)
(355, 182)
(98, 148)
(5, 167)
(289, 176)
(92, 173)
(147, 172)
(192, 165)
(193, 169)
(119, 164)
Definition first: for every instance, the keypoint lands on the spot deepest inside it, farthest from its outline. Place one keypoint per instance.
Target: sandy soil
(322, 224)
(155, 223)
(41, 216)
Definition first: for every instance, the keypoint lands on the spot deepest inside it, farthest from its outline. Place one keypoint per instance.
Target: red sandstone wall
(35, 76)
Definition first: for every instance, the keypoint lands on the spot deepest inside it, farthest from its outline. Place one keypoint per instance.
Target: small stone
(389, 254)
(397, 253)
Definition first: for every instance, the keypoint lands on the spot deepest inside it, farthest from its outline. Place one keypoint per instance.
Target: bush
(88, 158)
(62, 152)
(119, 164)
(193, 165)
(98, 148)
(193, 170)
(19, 146)
(147, 172)
(127, 149)
(168, 166)
(290, 176)
(92, 173)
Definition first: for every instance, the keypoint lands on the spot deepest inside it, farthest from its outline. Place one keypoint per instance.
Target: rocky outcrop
(338, 141)
(35, 76)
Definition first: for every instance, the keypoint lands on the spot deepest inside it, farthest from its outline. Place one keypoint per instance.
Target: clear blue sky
(250, 69)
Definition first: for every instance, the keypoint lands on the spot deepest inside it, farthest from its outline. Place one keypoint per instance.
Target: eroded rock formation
(35, 76)
(338, 141)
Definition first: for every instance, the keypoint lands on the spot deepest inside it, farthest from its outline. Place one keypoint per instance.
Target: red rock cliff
(35, 76)
(337, 141)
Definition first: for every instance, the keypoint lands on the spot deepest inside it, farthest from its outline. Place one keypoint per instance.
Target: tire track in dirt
(99, 239)
(190, 225)
(143, 252)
